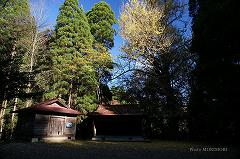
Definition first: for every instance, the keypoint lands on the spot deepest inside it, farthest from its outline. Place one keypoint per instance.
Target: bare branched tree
(34, 40)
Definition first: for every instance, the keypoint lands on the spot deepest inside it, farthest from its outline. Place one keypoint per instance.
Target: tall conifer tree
(101, 19)
(74, 75)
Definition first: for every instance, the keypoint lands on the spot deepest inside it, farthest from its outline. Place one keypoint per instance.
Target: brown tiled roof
(127, 109)
(53, 106)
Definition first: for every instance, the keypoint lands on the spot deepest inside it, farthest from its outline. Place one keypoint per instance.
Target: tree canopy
(101, 18)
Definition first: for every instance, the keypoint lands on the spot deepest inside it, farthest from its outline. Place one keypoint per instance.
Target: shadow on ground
(115, 150)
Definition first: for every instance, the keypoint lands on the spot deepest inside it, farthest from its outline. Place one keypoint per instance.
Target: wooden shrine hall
(118, 123)
(48, 121)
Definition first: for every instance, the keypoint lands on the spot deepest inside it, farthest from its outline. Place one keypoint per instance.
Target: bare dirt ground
(116, 150)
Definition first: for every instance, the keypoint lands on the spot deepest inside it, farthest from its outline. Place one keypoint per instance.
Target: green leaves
(14, 26)
(101, 18)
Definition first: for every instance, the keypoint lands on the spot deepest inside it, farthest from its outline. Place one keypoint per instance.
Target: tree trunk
(4, 103)
(70, 96)
(13, 115)
(168, 89)
(2, 113)
(171, 104)
(34, 45)
(29, 101)
(98, 94)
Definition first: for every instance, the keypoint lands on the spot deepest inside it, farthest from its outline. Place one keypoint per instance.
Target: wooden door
(56, 126)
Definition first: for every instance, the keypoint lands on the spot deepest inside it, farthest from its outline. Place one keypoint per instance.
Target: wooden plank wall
(41, 125)
(44, 125)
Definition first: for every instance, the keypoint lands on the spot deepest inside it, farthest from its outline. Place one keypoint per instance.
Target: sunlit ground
(116, 150)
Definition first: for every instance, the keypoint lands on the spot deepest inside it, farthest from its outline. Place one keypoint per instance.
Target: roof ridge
(47, 107)
(119, 109)
(50, 101)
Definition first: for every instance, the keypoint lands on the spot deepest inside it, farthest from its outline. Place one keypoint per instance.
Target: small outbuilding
(48, 121)
(119, 123)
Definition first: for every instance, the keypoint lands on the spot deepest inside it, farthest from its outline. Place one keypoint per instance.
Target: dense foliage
(13, 28)
(215, 85)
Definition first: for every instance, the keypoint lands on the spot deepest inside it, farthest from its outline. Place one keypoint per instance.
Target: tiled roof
(53, 105)
(127, 109)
